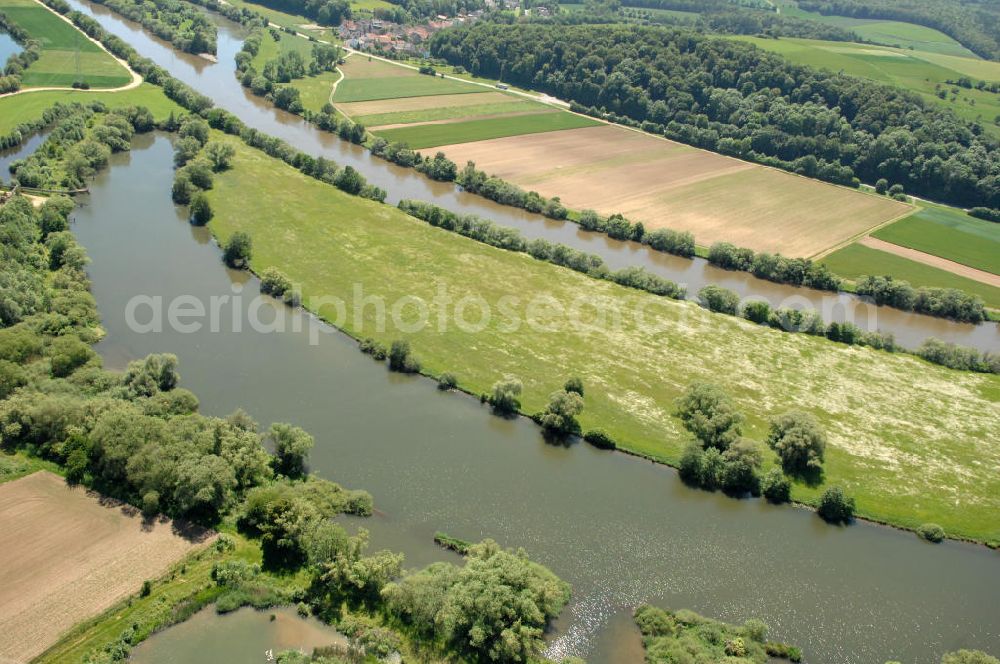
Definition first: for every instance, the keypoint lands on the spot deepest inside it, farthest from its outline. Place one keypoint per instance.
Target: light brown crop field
(380, 106)
(359, 66)
(665, 184)
(69, 554)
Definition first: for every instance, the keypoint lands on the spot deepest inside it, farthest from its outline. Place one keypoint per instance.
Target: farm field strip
(948, 234)
(69, 555)
(932, 260)
(63, 49)
(666, 184)
(886, 415)
(856, 260)
(419, 136)
(450, 112)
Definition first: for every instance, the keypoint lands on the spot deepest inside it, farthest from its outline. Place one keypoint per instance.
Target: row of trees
(944, 302)
(734, 98)
(174, 21)
(510, 239)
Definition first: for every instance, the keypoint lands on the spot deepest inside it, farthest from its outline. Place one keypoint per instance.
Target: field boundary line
(860, 236)
(134, 83)
(982, 276)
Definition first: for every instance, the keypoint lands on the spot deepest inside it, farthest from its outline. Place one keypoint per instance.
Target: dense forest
(974, 23)
(740, 100)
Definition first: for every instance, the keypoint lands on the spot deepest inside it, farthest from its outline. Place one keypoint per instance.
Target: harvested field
(666, 184)
(68, 554)
(358, 66)
(385, 106)
(428, 135)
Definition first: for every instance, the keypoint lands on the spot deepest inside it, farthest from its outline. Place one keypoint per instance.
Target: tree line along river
(621, 530)
(217, 81)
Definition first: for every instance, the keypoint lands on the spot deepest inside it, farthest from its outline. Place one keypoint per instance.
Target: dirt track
(66, 555)
(934, 261)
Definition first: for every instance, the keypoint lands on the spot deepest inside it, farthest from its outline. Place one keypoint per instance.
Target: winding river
(217, 81)
(623, 531)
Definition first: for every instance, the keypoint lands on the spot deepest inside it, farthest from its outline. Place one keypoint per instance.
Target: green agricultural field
(922, 73)
(432, 135)
(65, 50)
(855, 260)
(271, 49)
(395, 87)
(892, 33)
(315, 90)
(370, 5)
(285, 19)
(912, 441)
(950, 234)
(28, 106)
(451, 112)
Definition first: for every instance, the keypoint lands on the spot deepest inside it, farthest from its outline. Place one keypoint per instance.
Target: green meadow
(948, 233)
(920, 72)
(64, 51)
(314, 91)
(855, 260)
(912, 441)
(893, 33)
(432, 135)
(29, 106)
(450, 112)
(396, 87)
(271, 49)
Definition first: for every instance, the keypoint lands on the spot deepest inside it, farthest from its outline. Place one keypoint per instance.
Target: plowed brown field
(67, 554)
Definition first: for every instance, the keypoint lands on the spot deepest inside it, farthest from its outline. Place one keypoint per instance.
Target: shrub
(598, 438)
(574, 385)
(201, 209)
(238, 250)
(757, 311)
(67, 354)
(504, 398)
(931, 532)
(447, 381)
(775, 487)
(798, 440)
(147, 588)
(560, 414)
(835, 506)
(371, 347)
(717, 298)
(274, 282)
(708, 412)
(401, 358)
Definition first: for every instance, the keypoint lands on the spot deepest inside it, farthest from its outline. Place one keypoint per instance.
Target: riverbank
(631, 374)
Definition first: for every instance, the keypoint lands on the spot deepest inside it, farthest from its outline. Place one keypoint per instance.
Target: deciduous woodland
(739, 100)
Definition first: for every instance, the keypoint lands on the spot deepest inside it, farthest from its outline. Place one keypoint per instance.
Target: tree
(798, 440)
(238, 250)
(205, 486)
(574, 384)
(186, 149)
(220, 156)
(835, 506)
(741, 463)
(67, 354)
(559, 417)
(201, 209)
(708, 412)
(504, 398)
(717, 298)
(881, 186)
(775, 487)
(291, 448)
(401, 358)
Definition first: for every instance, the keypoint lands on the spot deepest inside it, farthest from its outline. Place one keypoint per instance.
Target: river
(218, 82)
(622, 530)
(8, 47)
